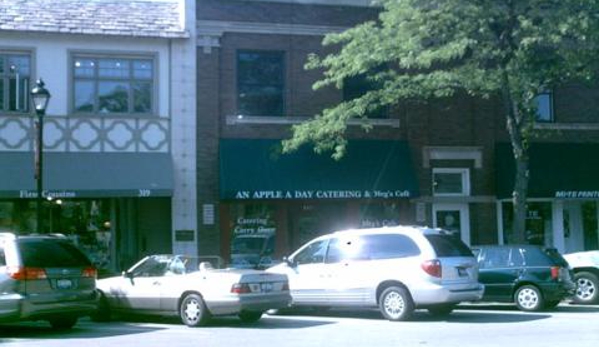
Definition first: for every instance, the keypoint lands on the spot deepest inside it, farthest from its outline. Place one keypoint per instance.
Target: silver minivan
(45, 277)
(396, 269)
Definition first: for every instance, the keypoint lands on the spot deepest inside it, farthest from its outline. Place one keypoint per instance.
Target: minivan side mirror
(289, 262)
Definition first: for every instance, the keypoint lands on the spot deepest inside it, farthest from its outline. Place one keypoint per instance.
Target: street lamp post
(40, 97)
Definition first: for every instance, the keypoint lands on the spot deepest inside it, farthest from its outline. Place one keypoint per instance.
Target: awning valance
(557, 170)
(256, 169)
(84, 175)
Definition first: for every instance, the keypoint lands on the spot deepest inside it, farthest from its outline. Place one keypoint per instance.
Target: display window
(253, 232)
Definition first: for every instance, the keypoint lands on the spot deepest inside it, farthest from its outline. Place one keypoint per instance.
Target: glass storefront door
(453, 217)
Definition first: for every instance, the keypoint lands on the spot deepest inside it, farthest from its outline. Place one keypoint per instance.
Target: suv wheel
(193, 311)
(396, 304)
(586, 288)
(63, 323)
(529, 298)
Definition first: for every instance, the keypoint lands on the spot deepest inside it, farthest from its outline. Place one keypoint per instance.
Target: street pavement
(470, 325)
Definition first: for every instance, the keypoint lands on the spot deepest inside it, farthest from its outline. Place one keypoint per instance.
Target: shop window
(15, 74)
(260, 83)
(113, 85)
(253, 232)
(374, 215)
(539, 228)
(451, 182)
(544, 105)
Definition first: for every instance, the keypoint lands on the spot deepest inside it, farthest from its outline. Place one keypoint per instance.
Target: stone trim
(452, 153)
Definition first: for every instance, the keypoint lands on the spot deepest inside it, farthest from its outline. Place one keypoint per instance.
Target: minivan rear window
(51, 253)
(448, 246)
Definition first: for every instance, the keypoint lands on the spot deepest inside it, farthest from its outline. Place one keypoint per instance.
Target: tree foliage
(514, 49)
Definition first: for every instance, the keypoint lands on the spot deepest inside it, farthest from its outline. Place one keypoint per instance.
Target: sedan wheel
(63, 323)
(586, 288)
(396, 304)
(529, 298)
(193, 311)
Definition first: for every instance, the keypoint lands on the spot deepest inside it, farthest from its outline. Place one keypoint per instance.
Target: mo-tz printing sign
(322, 194)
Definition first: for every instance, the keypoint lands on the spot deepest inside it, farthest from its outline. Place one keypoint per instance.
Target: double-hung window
(15, 74)
(260, 83)
(113, 85)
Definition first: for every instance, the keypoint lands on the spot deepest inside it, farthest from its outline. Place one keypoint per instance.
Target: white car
(194, 290)
(396, 269)
(586, 274)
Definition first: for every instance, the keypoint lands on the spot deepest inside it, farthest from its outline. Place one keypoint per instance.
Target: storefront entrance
(453, 217)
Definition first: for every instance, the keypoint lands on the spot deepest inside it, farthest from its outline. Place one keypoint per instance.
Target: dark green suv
(45, 277)
(533, 277)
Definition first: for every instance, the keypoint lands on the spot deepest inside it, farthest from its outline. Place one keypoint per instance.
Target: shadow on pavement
(480, 315)
(42, 330)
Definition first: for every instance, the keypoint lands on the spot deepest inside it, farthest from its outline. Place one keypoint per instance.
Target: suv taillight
(90, 272)
(27, 273)
(554, 272)
(432, 267)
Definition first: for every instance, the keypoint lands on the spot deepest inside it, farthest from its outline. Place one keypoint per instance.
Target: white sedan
(586, 275)
(194, 290)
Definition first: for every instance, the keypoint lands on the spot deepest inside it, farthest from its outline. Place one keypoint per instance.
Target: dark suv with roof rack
(45, 277)
(532, 277)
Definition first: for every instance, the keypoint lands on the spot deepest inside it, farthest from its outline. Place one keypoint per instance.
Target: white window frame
(465, 173)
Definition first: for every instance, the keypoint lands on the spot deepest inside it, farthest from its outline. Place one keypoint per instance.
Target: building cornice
(218, 28)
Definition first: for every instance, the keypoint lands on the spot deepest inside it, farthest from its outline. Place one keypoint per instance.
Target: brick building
(441, 163)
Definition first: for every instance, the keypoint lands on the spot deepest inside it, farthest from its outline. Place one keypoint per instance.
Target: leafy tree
(511, 49)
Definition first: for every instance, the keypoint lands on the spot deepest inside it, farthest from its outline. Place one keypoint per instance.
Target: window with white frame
(451, 182)
(113, 85)
(15, 74)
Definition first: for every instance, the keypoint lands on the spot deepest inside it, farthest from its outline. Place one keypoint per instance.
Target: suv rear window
(51, 253)
(448, 246)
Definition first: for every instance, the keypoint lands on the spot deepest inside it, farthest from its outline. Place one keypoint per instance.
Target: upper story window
(260, 83)
(356, 86)
(15, 74)
(113, 85)
(544, 104)
(451, 182)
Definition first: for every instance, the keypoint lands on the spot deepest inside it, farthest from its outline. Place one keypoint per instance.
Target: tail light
(27, 273)
(432, 267)
(90, 272)
(554, 272)
(240, 288)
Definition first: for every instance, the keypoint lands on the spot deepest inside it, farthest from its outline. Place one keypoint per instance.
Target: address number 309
(144, 193)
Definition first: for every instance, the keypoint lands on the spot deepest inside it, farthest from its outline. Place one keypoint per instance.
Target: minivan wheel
(396, 304)
(586, 288)
(193, 311)
(102, 313)
(63, 323)
(529, 298)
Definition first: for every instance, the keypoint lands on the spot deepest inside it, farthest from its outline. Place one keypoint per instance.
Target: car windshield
(448, 246)
(556, 256)
(48, 253)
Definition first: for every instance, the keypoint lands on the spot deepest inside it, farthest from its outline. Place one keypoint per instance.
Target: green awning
(84, 175)
(557, 170)
(256, 169)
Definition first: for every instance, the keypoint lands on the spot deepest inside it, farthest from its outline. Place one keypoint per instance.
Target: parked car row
(395, 269)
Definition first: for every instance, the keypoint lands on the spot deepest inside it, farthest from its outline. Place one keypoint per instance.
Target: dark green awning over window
(88, 175)
(256, 169)
(557, 170)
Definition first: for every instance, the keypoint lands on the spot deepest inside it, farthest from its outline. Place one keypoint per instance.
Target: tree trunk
(516, 124)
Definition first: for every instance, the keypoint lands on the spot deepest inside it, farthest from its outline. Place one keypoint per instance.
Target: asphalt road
(473, 325)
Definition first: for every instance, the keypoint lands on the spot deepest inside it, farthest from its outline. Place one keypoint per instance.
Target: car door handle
(157, 283)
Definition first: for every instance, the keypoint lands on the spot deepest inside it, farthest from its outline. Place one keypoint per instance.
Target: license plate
(462, 272)
(64, 284)
(266, 287)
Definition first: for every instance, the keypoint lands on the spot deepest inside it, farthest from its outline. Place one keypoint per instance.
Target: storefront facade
(119, 130)
(563, 195)
(296, 197)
